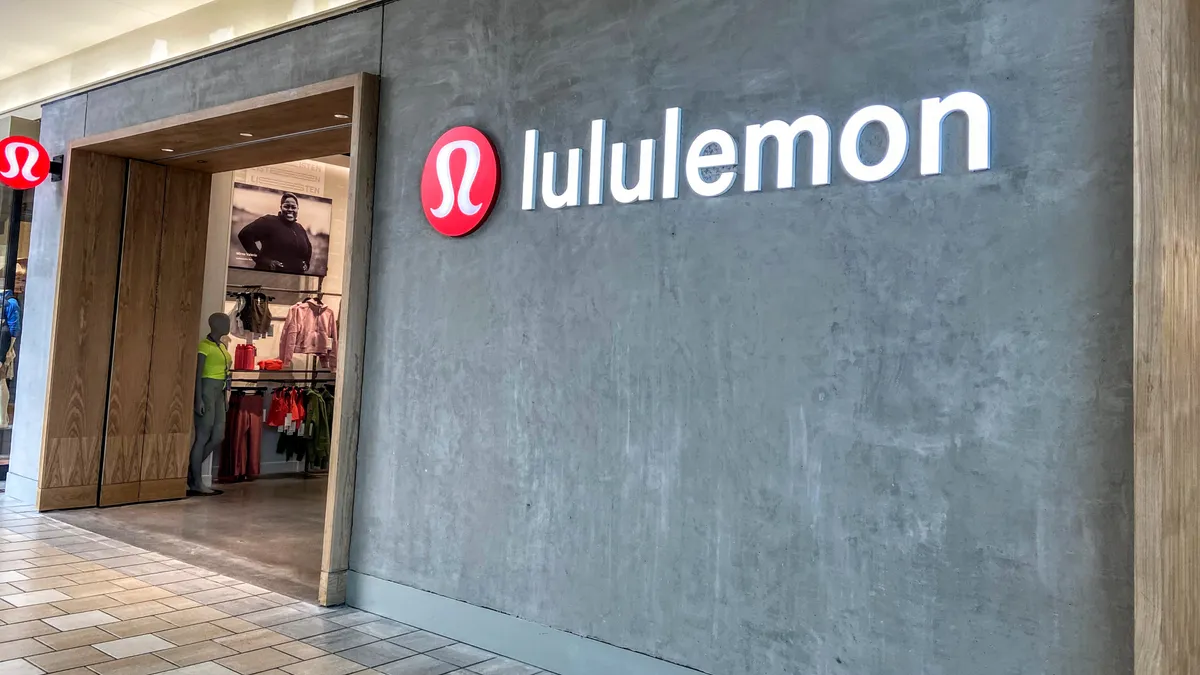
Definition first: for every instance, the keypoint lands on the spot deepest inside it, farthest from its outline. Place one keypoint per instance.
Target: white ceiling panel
(40, 31)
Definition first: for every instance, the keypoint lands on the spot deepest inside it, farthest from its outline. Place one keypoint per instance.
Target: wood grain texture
(129, 382)
(278, 151)
(169, 419)
(78, 497)
(161, 490)
(83, 322)
(1166, 339)
(339, 508)
(121, 493)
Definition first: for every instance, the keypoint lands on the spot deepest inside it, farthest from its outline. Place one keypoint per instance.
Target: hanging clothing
(241, 452)
(319, 405)
(251, 316)
(310, 328)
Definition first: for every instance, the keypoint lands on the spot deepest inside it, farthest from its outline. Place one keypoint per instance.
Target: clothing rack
(302, 291)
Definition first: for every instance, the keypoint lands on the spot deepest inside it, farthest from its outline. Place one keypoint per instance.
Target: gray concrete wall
(343, 46)
(859, 429)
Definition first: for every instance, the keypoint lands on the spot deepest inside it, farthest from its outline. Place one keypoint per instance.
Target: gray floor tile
(341, 640)
(384, 629)
(417, 665)
(461, 655)
(306, 628)
(422, 641)
(326, 665)
(376, 654)
(274, 617)
(503, 666)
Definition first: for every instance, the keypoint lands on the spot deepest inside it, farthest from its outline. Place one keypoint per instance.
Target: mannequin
(213, 366)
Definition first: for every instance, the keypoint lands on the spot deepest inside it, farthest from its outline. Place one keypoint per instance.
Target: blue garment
(12, 314)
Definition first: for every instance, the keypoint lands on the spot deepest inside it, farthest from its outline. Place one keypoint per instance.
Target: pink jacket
(310, 328)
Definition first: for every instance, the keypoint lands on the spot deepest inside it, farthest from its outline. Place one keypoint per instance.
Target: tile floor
(79, 603)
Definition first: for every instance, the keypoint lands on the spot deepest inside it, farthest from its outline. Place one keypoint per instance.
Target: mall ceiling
(40, 31)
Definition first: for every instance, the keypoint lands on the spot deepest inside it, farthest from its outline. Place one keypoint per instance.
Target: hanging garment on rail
(310, 328)
(319, 425)
(241, 453)
(251, 316)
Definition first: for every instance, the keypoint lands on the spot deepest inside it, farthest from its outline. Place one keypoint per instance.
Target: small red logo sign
(461, 181)
(24, 163)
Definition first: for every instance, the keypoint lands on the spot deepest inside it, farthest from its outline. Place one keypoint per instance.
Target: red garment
(277, 415)
(270, 364)
(241, 452)
(244, 357)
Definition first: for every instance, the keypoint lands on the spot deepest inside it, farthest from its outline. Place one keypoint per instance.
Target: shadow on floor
(268, 532)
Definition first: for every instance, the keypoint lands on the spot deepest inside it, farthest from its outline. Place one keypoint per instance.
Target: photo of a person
(292, 240)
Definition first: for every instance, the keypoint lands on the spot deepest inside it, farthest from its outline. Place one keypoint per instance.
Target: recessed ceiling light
(167, 150)
(341, 116)
(246, 135)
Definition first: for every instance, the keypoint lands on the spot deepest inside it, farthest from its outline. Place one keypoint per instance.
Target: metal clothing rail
(309, 291)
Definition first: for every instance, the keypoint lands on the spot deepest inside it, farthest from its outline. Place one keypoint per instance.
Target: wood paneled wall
(1167, 337)
(82, 337)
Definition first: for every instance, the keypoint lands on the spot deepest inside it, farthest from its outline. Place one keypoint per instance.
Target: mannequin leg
(210, 425)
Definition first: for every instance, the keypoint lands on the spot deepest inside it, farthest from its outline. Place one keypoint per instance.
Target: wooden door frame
(363, 134)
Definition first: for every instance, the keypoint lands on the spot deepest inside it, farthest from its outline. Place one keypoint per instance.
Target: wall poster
(280, 231)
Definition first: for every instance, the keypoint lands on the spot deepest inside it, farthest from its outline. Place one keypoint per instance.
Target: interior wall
(863, 428)
(343, 46)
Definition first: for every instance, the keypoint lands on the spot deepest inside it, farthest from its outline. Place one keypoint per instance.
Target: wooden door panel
(134, 334)
(82, 337)
(169, 421)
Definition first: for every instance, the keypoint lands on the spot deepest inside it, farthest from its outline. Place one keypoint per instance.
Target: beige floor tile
(138, 610)
(56, 560)
(326, 665)
(244, 605)
(251, 589)
(35, 598)
(179, 603)
(9, 589)
(187, 617)
(87, 604)
(128, 561)
(251, 663)
(195, 633)
(45, 584)
(25, 629)
(140, 595)
(209, 668)
(71, 639)
(17, 649)
(300, 650)
(143, 664)
(197, 652)
(18, 667)
(236, 625)
(22, 614)
(9, 577)
(254, 640)
(52, 571)
(130, 583)
(92, 577)
(81, 620)
(11, 565)
(140, 569)
(4, 605)
(135, 627)
(190, 586)
(218, 595)
(163, 578)
(133, 646)
(94, 588)
(88, 567)
(71, 658)
(224, 580)
(274, 616)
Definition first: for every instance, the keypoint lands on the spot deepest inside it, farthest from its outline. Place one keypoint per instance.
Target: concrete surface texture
(267, 532)
(856, 429)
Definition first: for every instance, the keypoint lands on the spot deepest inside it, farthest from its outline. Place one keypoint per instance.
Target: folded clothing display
(270, 364)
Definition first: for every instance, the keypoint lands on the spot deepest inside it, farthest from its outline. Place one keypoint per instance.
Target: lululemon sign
(461, 181)
(24, 163)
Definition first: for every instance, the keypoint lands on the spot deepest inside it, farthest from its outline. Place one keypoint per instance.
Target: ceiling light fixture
(246, 135)
(167, 150)
(341, 116)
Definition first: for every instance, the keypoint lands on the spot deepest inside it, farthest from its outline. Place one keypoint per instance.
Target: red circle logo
(461, 181)
(24, 163)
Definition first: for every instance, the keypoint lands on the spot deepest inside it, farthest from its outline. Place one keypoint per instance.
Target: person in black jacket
(279, 243)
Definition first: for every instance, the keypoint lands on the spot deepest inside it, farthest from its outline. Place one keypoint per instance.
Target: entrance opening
(208, 335)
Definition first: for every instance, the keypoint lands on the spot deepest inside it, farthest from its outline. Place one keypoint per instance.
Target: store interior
(269, 471)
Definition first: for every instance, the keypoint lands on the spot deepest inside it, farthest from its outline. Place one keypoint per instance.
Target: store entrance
(209, 320)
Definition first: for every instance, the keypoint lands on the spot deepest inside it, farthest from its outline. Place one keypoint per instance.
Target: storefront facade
(879, 422)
